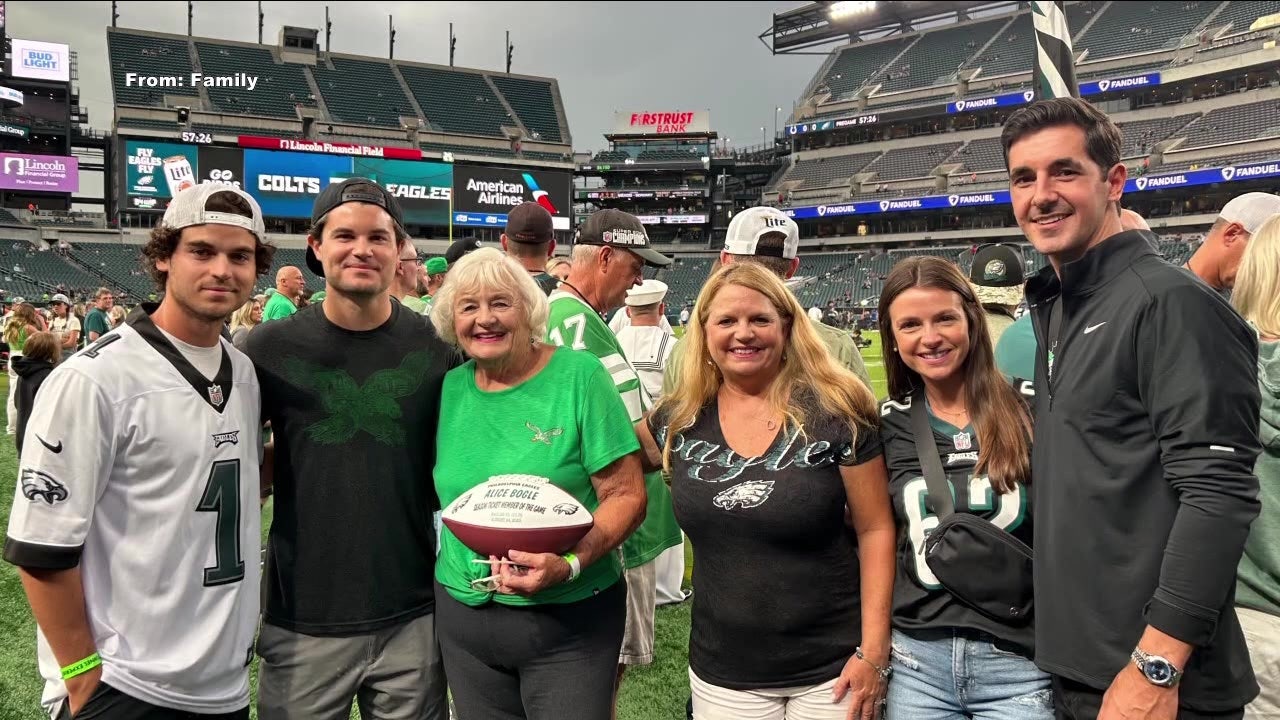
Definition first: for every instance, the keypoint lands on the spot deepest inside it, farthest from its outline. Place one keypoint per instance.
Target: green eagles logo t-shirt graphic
(373, 407)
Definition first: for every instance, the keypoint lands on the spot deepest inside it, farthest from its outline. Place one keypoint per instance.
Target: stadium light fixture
(844, 10)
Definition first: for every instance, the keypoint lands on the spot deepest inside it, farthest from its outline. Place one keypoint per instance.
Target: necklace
(581, 296)
(961, 440)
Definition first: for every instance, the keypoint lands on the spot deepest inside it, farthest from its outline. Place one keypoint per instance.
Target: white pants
(670, 568)
(799, 703)
(1262, 633)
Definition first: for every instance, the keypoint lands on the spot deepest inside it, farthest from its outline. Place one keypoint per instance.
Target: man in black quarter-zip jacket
(1146, 431)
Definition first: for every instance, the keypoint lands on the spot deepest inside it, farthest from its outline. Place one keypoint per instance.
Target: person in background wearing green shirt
(407, 285)
(1256, 295)
(96, 323)
(610, 251)
(437, 268)
(530, 635)
(284, 302)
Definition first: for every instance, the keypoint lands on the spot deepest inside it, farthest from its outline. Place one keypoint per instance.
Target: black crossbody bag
(981, 565)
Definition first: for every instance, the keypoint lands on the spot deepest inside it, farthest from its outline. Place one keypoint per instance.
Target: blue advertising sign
(1122, 83)
(1188, 178)
(995, 101)
(480, 219)
(286, 184)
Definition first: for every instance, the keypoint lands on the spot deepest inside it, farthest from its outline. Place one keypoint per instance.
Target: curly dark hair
(164, 239)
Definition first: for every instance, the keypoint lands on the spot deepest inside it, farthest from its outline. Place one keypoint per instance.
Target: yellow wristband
(81, 667)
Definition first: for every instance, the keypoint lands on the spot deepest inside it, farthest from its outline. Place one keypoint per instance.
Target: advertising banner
(485, 192)
(1187, 178)
(220, 165)
(157, 170)
(1123, 83)
(661, 122)
(422, 188)
(41, 60)
(286, 184)
(39, 173)
(995, 101)
(11, 130)
(329, 148)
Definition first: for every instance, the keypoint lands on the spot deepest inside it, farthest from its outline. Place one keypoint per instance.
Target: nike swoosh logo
(52, 448)
(1091, 328)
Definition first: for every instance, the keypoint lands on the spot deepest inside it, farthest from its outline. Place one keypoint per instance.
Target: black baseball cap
(997, 265)
(529, 223)
(460, 248)
(615, 228)
(351, 190)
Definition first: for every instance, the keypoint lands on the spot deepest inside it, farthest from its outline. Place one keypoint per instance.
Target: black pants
(108, 703)
(1076, 701)
(546, 662)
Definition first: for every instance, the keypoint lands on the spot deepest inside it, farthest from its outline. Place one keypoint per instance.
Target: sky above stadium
(624, 56)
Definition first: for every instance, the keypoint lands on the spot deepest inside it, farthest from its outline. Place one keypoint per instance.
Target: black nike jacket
(1145, 441)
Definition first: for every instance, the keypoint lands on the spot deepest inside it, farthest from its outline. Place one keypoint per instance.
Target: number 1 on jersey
(222, 496)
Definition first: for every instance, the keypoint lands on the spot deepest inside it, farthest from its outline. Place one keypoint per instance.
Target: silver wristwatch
(1157, 670)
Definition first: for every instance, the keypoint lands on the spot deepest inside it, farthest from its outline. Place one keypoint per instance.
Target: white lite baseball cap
(747, 227)
(190, 207)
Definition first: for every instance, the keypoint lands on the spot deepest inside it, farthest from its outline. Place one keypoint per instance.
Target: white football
(517, 512)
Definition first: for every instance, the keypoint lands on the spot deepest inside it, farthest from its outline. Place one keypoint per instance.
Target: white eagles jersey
(144, 473)
(648, 349)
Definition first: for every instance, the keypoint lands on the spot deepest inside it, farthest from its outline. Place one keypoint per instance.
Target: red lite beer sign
(663, 123)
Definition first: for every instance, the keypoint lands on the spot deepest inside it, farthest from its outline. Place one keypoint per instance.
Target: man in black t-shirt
(351, 387)
(530, 241)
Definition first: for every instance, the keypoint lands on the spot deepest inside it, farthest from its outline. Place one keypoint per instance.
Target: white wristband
(575, 566)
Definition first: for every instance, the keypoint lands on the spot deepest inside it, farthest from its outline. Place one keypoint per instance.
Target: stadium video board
(483, 196)
(285, 184)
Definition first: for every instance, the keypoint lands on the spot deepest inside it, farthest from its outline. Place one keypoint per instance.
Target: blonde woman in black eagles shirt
(949, 660)
(770, 441)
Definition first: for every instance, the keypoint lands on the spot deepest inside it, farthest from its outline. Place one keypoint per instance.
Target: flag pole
(1055, 72)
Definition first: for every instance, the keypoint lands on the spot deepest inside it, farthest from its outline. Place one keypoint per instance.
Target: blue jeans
(940, 675)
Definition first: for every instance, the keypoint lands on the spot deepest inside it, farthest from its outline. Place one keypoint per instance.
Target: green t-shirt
(278, 306)
(414, 304)
(96, 321)
(572, 394)
(574, 324)
(1016, 351)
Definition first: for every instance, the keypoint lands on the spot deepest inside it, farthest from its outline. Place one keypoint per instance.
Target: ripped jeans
(941, 675)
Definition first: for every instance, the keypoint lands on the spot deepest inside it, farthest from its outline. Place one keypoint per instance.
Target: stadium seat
(915, 162)
(1012, 51)
(148, 56)
(457, 101)
(281, 86)
(362, 91)
(1240, 15)
(856, 64)
(983, 155)
(821, 172)
(532, 102)
(939, 54)
(1141, 135)
(1129, 28)
(1253, 121)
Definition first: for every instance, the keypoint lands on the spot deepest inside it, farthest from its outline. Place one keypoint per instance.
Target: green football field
(656, 692)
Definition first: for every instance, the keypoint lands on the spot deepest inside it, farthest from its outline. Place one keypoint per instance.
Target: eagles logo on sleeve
(36, 484)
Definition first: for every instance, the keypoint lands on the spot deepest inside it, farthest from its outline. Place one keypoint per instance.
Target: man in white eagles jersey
(135, 524)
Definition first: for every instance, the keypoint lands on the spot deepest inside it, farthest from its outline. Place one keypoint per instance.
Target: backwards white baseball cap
(190, 207)
(1251, 210)
(747, 227)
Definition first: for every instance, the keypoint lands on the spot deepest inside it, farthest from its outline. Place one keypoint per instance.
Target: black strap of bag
(927, 450)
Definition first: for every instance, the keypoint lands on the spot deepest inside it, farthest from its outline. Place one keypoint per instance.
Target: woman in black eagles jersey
(767, 440)
(949, 659)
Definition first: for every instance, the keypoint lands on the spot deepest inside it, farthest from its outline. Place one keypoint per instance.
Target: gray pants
(394, 674)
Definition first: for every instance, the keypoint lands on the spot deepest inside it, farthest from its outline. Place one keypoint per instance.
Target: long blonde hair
(24, 314)
(244, 316)
(1256, 294)
(806, 365)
